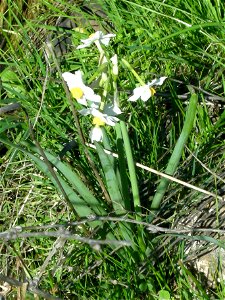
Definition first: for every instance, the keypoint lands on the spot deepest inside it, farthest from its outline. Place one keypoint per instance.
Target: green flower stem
(176, 155)
(131, 168)
(126, 63)
(115, 89)
(105, 92)
(106, 144)
(134, 184)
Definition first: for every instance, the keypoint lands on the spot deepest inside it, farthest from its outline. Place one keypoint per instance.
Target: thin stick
(188, 185)
(21, 232)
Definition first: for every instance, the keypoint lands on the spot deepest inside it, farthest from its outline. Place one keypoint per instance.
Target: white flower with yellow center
(79, 90)
(107, 116)
(146, 91)
(97, 36)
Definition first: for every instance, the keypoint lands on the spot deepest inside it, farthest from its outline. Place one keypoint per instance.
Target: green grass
(183, 40)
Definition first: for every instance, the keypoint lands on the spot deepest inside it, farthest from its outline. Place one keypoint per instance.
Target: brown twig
(17, 232)
(31, 287)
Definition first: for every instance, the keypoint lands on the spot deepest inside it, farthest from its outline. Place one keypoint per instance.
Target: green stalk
(176, 155)
(131, 168)
(134, 184)
(126, 63)
(121, 170)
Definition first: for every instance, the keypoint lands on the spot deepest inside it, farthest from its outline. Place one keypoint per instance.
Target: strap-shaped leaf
(74, 180)
(112, 183)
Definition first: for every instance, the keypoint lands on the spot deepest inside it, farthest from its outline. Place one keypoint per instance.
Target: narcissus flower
(146, 91)
(107, 116)
(79, 90)
(97, 36)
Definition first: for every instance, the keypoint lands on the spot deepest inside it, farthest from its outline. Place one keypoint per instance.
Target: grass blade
(178, 150)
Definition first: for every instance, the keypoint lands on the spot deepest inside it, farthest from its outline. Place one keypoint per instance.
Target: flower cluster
(102, 113)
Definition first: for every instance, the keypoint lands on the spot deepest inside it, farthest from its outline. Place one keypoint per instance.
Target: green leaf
(77, 202)
(4, 125)
(114, 191)
(164, 295)
(12, 83)
(111, 181)
(74, 180)
(176, 155)
(122, 166)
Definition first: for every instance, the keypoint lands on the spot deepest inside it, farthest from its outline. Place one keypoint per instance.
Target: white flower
(97, 36)
(108, 116)
(79, 90)
(146, 91)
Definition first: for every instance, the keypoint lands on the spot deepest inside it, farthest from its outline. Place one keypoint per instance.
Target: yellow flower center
(91, 35)
(98, 121)
(152, 91)
(77, 92)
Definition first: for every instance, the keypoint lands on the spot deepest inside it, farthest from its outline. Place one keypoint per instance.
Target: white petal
(106, 39)
(112, 110)
(137, 92)
(96, 134)
(82, 46)
(111, 121)
(96, 113)
(133, 98)
(110, 35)
(146, 94)
(158, 81)
(95, 103)
(87, 42)
(69, 78)
(73, 80)
(82, 101)
(85, 111)
(79, 75)
(89, 93)
(117, 110)
(96, 36)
